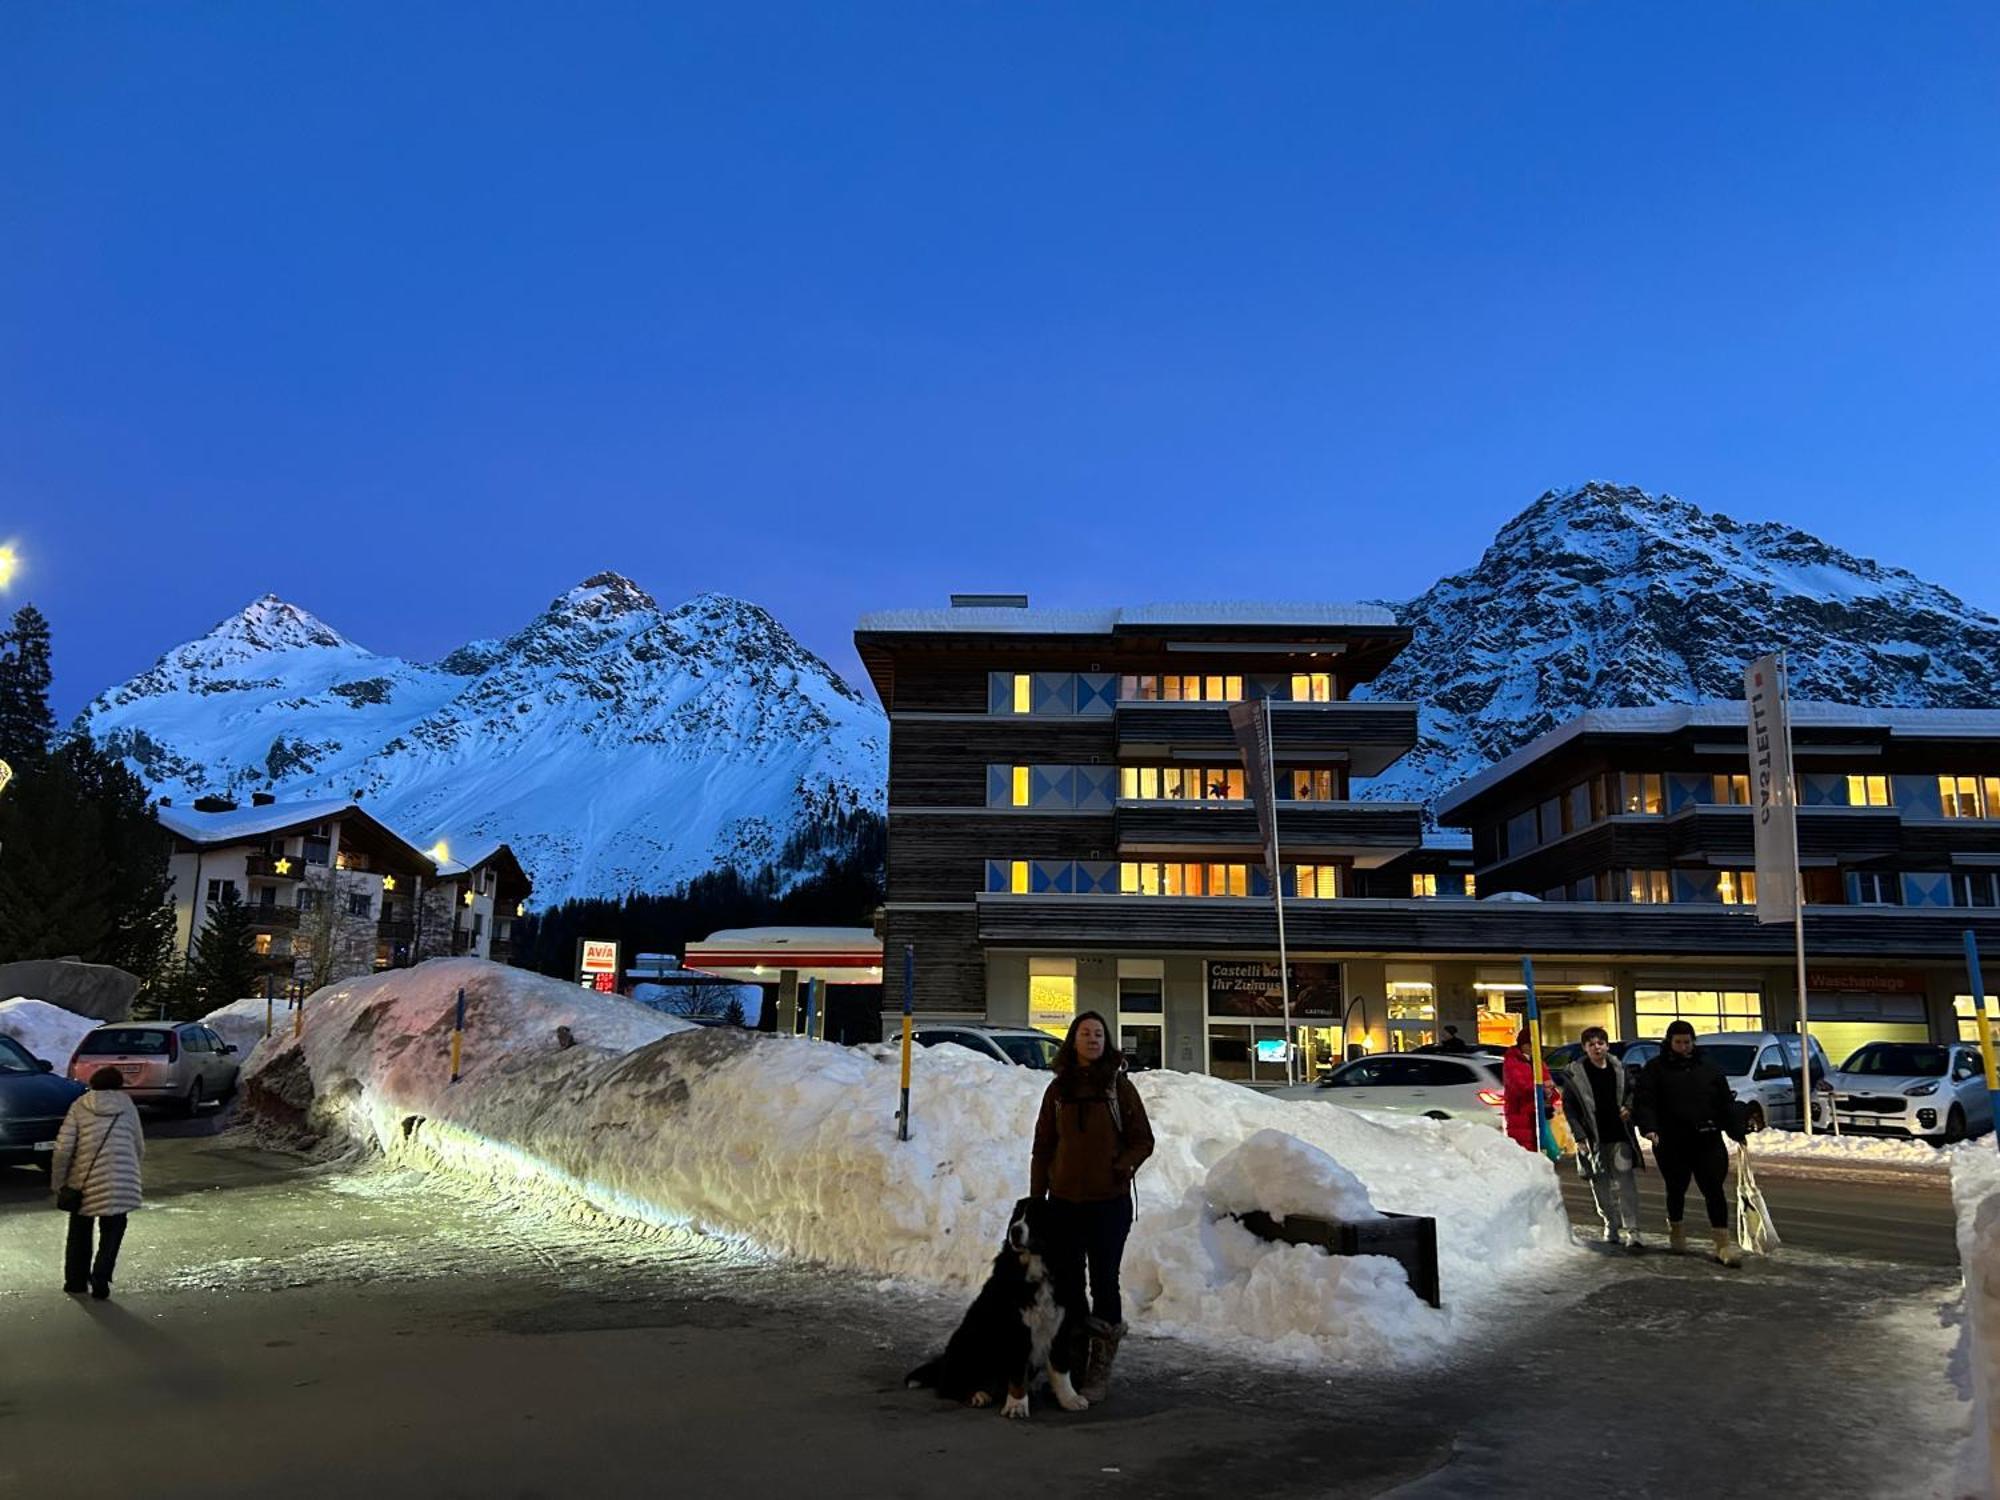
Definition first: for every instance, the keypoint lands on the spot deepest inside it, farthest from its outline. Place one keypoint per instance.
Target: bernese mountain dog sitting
(1015, 1325)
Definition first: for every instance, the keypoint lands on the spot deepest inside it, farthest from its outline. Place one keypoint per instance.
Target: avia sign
(597, 964)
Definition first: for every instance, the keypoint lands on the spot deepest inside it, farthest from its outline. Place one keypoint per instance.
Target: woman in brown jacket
(1091, 1137)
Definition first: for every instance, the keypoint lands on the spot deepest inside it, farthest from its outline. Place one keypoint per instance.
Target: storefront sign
(1250, 988)
(596, 964)
(1863, 982)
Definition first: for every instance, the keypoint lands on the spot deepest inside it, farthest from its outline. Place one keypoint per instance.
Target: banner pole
(1278, 889)
(1798, 903)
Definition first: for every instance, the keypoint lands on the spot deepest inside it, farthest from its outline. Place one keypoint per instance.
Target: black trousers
(77, 1269)
(1091, 1236)
(1702, 1157)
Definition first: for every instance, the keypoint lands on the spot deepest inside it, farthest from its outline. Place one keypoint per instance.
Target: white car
(1762, 1068)
(1442, 1086)
(1935, 1091)
(1021, 1045)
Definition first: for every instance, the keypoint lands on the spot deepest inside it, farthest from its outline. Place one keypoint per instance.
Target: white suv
(1444, 1086)
(1021, 1045)
(1935, 1091)
(1763, 1068)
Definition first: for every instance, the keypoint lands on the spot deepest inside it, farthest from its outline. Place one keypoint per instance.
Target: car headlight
(1918, 1090)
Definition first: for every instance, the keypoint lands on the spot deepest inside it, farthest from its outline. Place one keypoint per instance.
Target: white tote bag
(1755, 1231)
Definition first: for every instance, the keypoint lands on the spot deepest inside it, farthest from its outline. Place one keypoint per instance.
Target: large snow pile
(241, 1023)
(1975, 1193)
(47, 1031)
(789, 1146)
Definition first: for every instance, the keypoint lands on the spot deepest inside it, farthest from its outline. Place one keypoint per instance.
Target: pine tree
(225, 961)
(26, 725)
(733, 1012)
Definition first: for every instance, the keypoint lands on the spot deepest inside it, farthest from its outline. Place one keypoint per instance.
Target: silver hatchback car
(178, 1063)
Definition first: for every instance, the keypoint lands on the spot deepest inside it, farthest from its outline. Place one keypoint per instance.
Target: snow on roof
(813, 939)
(1668, 718)
(988, 620)
(473, 861)
(1454, 839)
(248, 822)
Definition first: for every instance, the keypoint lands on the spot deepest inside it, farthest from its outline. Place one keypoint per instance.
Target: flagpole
(1798, 903)
(1278, 889)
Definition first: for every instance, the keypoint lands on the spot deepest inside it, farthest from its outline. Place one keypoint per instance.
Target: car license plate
(45, 1145)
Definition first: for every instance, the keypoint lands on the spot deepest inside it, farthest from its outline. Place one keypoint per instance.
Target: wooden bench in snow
(1411, 1240)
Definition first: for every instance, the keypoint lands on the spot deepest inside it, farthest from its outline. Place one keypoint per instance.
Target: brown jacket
(1080, 1155)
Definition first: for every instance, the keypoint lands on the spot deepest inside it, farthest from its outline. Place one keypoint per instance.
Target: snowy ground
(380, 1330)
(1975, 1191)
(788, 1147)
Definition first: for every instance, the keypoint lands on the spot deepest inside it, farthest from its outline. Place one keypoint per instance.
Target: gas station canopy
(762, 955)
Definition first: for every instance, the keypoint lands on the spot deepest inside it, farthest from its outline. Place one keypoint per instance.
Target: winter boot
(1677, 1240)
(1725, 1248)
(1104, 1340)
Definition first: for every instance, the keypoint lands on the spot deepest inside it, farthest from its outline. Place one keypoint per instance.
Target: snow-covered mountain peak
(266, 624)
(603, 596)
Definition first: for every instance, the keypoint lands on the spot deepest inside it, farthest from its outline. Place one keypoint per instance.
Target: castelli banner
(1251, 721)
(1772, 795)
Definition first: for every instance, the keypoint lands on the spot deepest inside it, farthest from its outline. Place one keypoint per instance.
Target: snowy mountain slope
(615, 745)
(1605, 596)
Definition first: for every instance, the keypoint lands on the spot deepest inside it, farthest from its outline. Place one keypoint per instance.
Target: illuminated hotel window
(1736, 887)
(1868, 791)
(1969, 796)
(1471, 887)
(1312, 687)
(261, 945)
(1024, 693)
(1318, 882)
(1017, 877)
(1732, 791)
(1648, 887)
(1643, 793)
(1183, 688)
(1423, 885)
(1315, 786)
(1177, 878)
(1020, 786)
(1181, 783)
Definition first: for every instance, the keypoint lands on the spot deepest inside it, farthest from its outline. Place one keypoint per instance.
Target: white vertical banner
(1773, 791)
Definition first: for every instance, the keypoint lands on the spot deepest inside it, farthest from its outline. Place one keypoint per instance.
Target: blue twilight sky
(417, 313)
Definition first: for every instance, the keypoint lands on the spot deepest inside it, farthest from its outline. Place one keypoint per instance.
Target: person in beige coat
(97, 1152)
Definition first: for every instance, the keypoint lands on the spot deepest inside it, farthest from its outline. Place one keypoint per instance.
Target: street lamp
(10, 564)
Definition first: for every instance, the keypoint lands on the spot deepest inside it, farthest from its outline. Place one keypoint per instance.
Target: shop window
(1247, 1054)
(1736, 887)
(1412, 1011)
(1968, 1019)
(1648, 887)
(1730, 791)
(1052, 994)
(1423, 885)
(1705, 1010)
(1868, 791)
(1312, 687)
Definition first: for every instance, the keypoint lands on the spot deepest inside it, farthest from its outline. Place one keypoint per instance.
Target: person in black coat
(1684, 1106)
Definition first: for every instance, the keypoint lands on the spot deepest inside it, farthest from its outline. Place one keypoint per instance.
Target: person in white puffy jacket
(97, 1152)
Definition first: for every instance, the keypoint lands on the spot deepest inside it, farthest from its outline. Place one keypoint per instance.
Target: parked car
(1935, 1091)
(33, 1101)
(1634, 1055)
(1763, 1070)
(1021, 1045)
(178, 1063)
(1442, 1086)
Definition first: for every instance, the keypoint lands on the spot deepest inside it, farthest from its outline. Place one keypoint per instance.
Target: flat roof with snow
(1672, 718)
(832, 955)
(1011, 620)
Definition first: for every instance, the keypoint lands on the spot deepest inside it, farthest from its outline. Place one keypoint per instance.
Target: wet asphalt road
(335, 1331)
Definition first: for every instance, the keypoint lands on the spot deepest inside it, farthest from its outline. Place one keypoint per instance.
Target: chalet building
(334, 892)
(471, 904)
(1069, 829)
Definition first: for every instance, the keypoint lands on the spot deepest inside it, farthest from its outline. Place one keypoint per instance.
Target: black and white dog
(1015, 1325)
